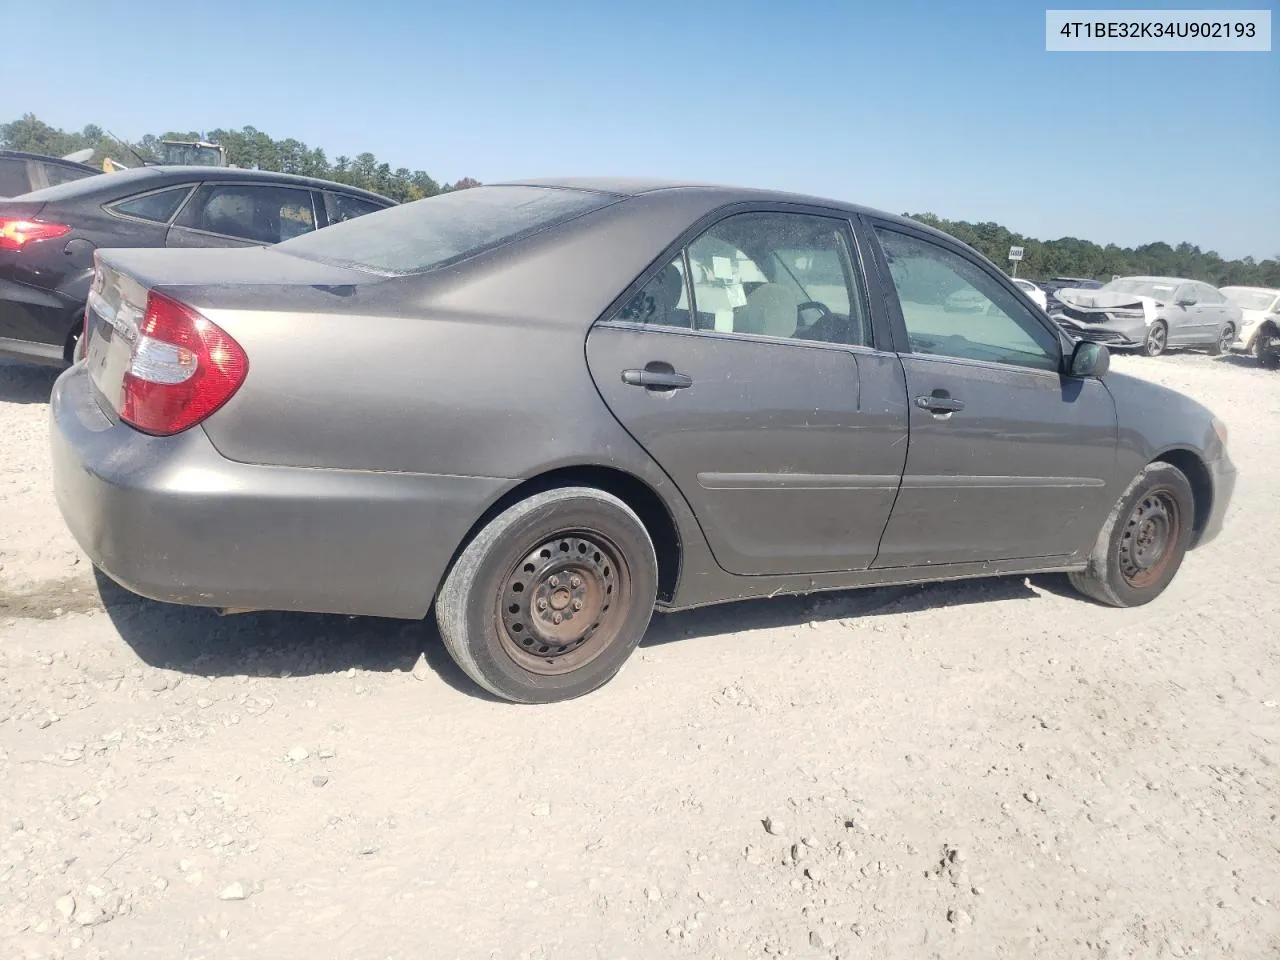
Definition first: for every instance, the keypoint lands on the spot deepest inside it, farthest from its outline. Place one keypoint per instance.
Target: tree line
(247, 147)
(1070, 257)
(1042, 259)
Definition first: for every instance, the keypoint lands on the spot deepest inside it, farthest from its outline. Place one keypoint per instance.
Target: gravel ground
(988, 769)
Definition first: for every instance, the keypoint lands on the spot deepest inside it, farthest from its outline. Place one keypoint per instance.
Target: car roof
(45, 158)
(159, 175)
(718, 192)
(1251, 289)
(1162, 279)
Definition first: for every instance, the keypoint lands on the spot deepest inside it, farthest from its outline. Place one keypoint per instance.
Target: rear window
(415, 237)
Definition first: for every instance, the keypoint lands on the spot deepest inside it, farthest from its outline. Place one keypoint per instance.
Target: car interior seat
(770, 310)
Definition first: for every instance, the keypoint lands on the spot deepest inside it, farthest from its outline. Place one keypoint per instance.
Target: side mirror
(1187, 302)
(1090, 360)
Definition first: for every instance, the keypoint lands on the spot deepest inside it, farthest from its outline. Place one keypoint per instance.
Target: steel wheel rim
(564, 602)
(1155, 340)
(1228, 338)
(1149, 539)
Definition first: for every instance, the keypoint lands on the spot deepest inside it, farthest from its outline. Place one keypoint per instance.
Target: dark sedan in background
(48, 237)
(541, 408)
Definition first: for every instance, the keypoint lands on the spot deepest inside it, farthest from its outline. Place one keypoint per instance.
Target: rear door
(1009, 459)
(1188, 320)
(243, 213)
(1217, 313)
(746, 363)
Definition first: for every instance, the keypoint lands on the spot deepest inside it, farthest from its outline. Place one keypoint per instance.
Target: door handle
(940, 405)
(657, 379)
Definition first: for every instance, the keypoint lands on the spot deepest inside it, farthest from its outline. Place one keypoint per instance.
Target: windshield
(415, 237)
(1156, 289)
(1252, 299)
(191, 155)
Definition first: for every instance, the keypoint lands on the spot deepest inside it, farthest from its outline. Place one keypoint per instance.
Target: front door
(746, 366)
(1008, 459)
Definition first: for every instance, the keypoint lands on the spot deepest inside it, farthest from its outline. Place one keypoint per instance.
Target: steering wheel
(824, 312)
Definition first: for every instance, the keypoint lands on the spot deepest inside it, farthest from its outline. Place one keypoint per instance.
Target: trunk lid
(199, 278)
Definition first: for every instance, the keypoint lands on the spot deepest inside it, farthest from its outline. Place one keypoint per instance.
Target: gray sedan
(1151, 314)
(546, 408)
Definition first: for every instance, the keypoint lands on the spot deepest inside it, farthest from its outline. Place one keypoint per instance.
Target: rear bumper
(173, 520)
(1222, 475)
(34, 323)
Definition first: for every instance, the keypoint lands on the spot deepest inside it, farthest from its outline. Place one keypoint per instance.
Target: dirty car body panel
(386, 414)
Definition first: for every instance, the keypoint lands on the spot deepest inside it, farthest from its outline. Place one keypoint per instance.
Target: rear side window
(341, 207)
(57, 173)
(13, 177)
(414, 237)
(156, 207)
(262, 213)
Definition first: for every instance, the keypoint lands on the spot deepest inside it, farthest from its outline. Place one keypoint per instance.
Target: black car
(22, 172)
(48, 237)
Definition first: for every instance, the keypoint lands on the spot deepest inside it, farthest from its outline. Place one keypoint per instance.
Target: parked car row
(1152, 314)
(542, 409)
(48, 236)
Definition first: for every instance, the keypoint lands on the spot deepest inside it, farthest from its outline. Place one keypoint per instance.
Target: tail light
(183, 368)
(15, 234)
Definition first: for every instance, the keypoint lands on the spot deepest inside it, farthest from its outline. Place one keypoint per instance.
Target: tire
(1265, 348)
(1226, 338)
(1157, 506)
(1157, 339)
(575, 553)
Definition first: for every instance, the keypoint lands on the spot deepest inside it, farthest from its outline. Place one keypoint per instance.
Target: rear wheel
(1157, 339)
(1141, 546)
(1225, 339)
(1266, 347)
(551, 597)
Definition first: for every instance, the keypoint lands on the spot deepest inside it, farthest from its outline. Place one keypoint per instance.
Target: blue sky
(953, 108)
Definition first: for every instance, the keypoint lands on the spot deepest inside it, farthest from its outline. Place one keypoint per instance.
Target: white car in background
(1256, 304)
(1032, 291)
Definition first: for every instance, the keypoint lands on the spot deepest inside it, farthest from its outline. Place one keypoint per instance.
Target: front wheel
(1141, 546)
(1226, 338)
(1157, 339)
(551, 597)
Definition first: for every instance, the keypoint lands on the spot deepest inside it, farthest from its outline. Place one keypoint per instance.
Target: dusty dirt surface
(988, 769)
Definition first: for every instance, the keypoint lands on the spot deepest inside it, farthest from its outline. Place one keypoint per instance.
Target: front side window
(262, 213)
(954, 308)
(157, 207)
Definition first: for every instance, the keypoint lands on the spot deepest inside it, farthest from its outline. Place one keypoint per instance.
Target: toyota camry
(543, 409)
